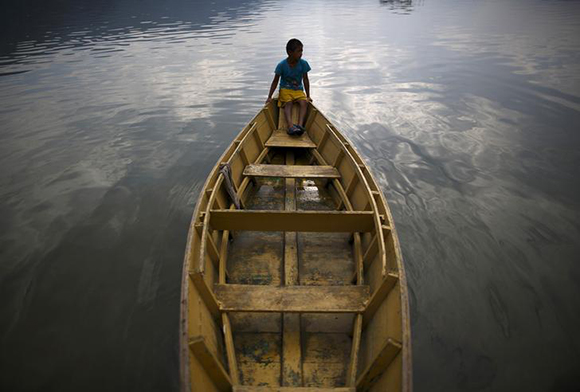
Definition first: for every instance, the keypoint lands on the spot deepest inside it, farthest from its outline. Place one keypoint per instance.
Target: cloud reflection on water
(113, 116)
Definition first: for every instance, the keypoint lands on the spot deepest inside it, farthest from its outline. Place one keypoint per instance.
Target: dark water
(112, 113)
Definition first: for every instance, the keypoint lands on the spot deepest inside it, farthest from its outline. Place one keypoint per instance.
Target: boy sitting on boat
(291, 72)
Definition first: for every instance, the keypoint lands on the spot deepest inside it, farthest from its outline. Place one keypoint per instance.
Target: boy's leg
(288, 113)
(303, 106)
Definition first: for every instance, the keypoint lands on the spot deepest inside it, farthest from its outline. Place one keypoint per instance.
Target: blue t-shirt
(291, 77)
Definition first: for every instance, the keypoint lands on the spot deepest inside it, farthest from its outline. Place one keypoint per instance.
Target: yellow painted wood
(294, 171)
(210, 363)
(258, 357)
(230, 349)
(223, 256)
(385, 356)
(311, 117)
(259, 140)
(204, 230)
(303, 221)
(338, 158)
(323, 141)
(291, 350)
(269, 119)
(336, 183)
(379, 295)
(312, 299)
(291, 338)
(203, 381)
(280, 138)
(371, 252)
(246, 181)
(354, 354)
(205, 293)
(386, 314)
(291, 389)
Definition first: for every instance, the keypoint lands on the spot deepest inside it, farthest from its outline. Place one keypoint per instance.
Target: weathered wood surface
(303, 221)
(291, 336)
(280, 138)
(293, 171)
(379, 296)
(291, 389)
(210, 363)
(386, 355)
(299, 249)
(230, 349)
(259, 358)
(311, 299)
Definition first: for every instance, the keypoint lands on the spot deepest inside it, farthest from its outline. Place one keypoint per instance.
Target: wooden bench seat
(301, 221)
(291, 171)
(280, 138)
(291, 299)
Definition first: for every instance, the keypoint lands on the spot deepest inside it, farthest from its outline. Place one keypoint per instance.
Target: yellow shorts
(288, 95)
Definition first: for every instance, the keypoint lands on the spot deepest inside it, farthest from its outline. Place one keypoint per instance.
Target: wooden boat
(293, 279)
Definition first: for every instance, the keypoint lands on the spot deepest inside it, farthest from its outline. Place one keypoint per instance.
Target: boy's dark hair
(292, 45)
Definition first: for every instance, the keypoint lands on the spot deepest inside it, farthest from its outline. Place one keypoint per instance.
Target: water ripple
(466, 113)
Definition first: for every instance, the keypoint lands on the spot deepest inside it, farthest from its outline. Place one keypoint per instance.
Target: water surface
(113, 113)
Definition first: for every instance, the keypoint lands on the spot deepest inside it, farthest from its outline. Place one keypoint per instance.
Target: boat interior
(293, 278)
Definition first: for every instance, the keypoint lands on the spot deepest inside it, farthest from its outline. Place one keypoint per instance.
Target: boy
(292, 70)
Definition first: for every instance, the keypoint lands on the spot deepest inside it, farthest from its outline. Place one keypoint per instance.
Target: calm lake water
(112, 113)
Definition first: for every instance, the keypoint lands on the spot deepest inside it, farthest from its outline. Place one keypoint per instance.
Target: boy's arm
(307, 85)
(273, 87)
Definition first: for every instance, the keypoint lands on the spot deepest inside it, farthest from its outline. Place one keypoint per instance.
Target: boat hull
(293, 275)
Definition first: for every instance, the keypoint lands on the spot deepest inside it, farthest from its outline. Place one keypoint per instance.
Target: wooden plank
(204, 230)
(371, 252)
(210, 363)
(213, 251)
(244, 156)
(291, 351)
(223, 255)
(354, 353)
(358, 257)
(246, 181)
(381, 362)
(293, 171)
(291, 339)
(205, 293)
(258, 140)
(337, 185)
(303, 221)
(379, 295)
(290, 389)
(269, 118)
(305, 299)
(323, 141)
(280, 138)
(338, 158)
(230, 350)
(351, 185)
(311, 118)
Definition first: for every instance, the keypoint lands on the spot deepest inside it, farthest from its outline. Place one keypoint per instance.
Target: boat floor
(257, 258)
